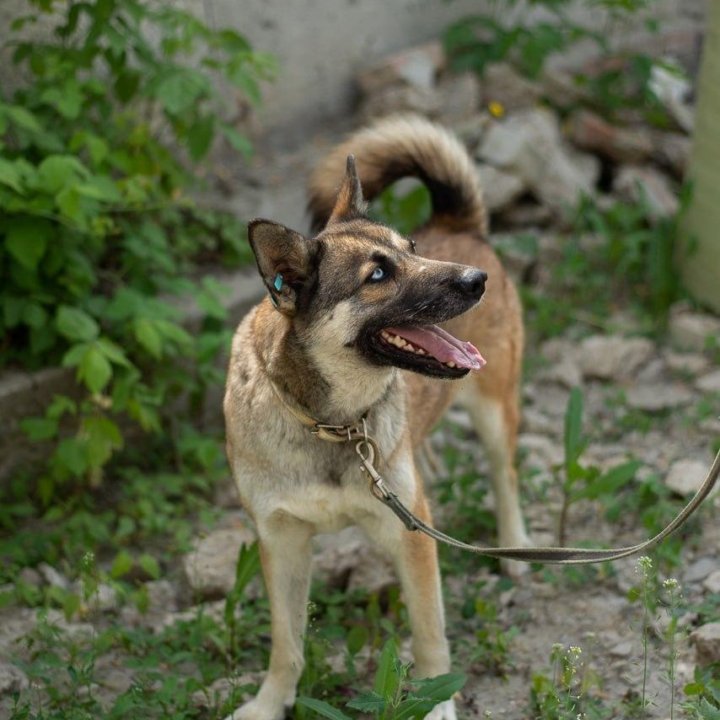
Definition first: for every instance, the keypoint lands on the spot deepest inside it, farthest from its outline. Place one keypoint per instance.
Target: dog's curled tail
(402, 146)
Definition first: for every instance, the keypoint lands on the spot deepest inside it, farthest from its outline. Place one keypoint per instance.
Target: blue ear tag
(278, 282)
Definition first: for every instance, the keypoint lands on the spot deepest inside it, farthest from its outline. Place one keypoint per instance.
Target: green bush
(97, 156)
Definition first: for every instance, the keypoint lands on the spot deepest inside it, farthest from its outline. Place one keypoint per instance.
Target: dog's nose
(472, 283)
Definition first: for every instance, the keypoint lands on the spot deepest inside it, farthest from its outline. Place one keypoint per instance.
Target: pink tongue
(442, 346)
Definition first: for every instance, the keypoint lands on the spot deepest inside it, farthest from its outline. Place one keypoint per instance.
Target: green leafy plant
(585, 482)
(394, 696)
(97, 230)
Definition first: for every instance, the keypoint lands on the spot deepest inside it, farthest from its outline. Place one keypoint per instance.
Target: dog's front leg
(286, 556)
(415, 557)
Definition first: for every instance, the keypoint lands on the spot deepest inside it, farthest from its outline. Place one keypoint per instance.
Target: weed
(394, 696)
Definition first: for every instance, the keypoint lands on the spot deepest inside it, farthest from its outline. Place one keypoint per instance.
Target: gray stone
(686, 476)
(589, 131)
(622, 649)
(612, 357)
(529, 144)
(690, 363)
(692, 330)
(30, 576)
(565, 371)
(712, 582)
(658, 397)
(504, 85)
(646, 184)
(347, 560)
(700, 569)
(400, 99)
(672, 150)
(53, 577)
(210, 567)
(458, 97)
(12, 679)
(416, 66)
(500, 188)
(709, 383)
(707, 643)
(543, 451)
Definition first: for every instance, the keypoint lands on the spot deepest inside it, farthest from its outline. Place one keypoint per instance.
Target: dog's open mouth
(431, 349)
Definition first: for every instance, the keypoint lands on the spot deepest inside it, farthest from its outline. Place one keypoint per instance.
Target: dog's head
(358, 288)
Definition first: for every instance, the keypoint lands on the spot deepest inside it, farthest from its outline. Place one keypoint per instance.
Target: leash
(368, 451)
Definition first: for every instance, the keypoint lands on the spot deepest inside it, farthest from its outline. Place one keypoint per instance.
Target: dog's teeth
(450, 364)
(385, 334)
(420, 351)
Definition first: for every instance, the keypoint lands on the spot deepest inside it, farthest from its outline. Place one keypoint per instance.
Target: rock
(645, 184)
(104, 598)
(417, 67)
(502, 84)
(500, 188)
(658, 397)
(53, 577)
(622, 649)
(543, 451)
(560, 87)
(613, 357)
(458, 96)
(589, 131)
(692, 330)
(400, 99)
(700, 569)
(673, 90)
(689, 363)
(709, 383)
(535, 421)
(210, 566)
(564, 371)
(672, 150)
(707, 643)
(686, 476)
(30, 576)
(529, 145)
(527, 214)
(12, 679)
(712, 582)
(346, 560)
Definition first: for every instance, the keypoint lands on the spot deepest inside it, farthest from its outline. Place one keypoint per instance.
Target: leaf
(150, 565)
(441, 687)
(70, 455)
(122, 564)
(387, 679)
(23, 118)
(103, 437)
(237, 140)
(368, 702)
(610, 482)
(413, 707)
(57, 172)
(113, 352)
(200, 136)
(322, 708)
(10, 175)
(573, 428)
(94, 370)
(179, 90)
(248, 565)
(76, 324)
(27, 238)
(39, 428)
(148, 336)
(356, 639)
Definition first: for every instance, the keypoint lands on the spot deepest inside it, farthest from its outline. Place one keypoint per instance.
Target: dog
(347, 335)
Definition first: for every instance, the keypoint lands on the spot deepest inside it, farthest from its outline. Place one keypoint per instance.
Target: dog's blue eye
(377, 274)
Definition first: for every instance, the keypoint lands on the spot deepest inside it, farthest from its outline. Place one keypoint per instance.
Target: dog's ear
(284, 259)
(349, 204)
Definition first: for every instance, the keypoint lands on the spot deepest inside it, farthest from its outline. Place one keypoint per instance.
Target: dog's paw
(443, 711)
(258, 710)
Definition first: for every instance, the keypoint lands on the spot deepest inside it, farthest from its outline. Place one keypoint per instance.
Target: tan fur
(295, 485)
